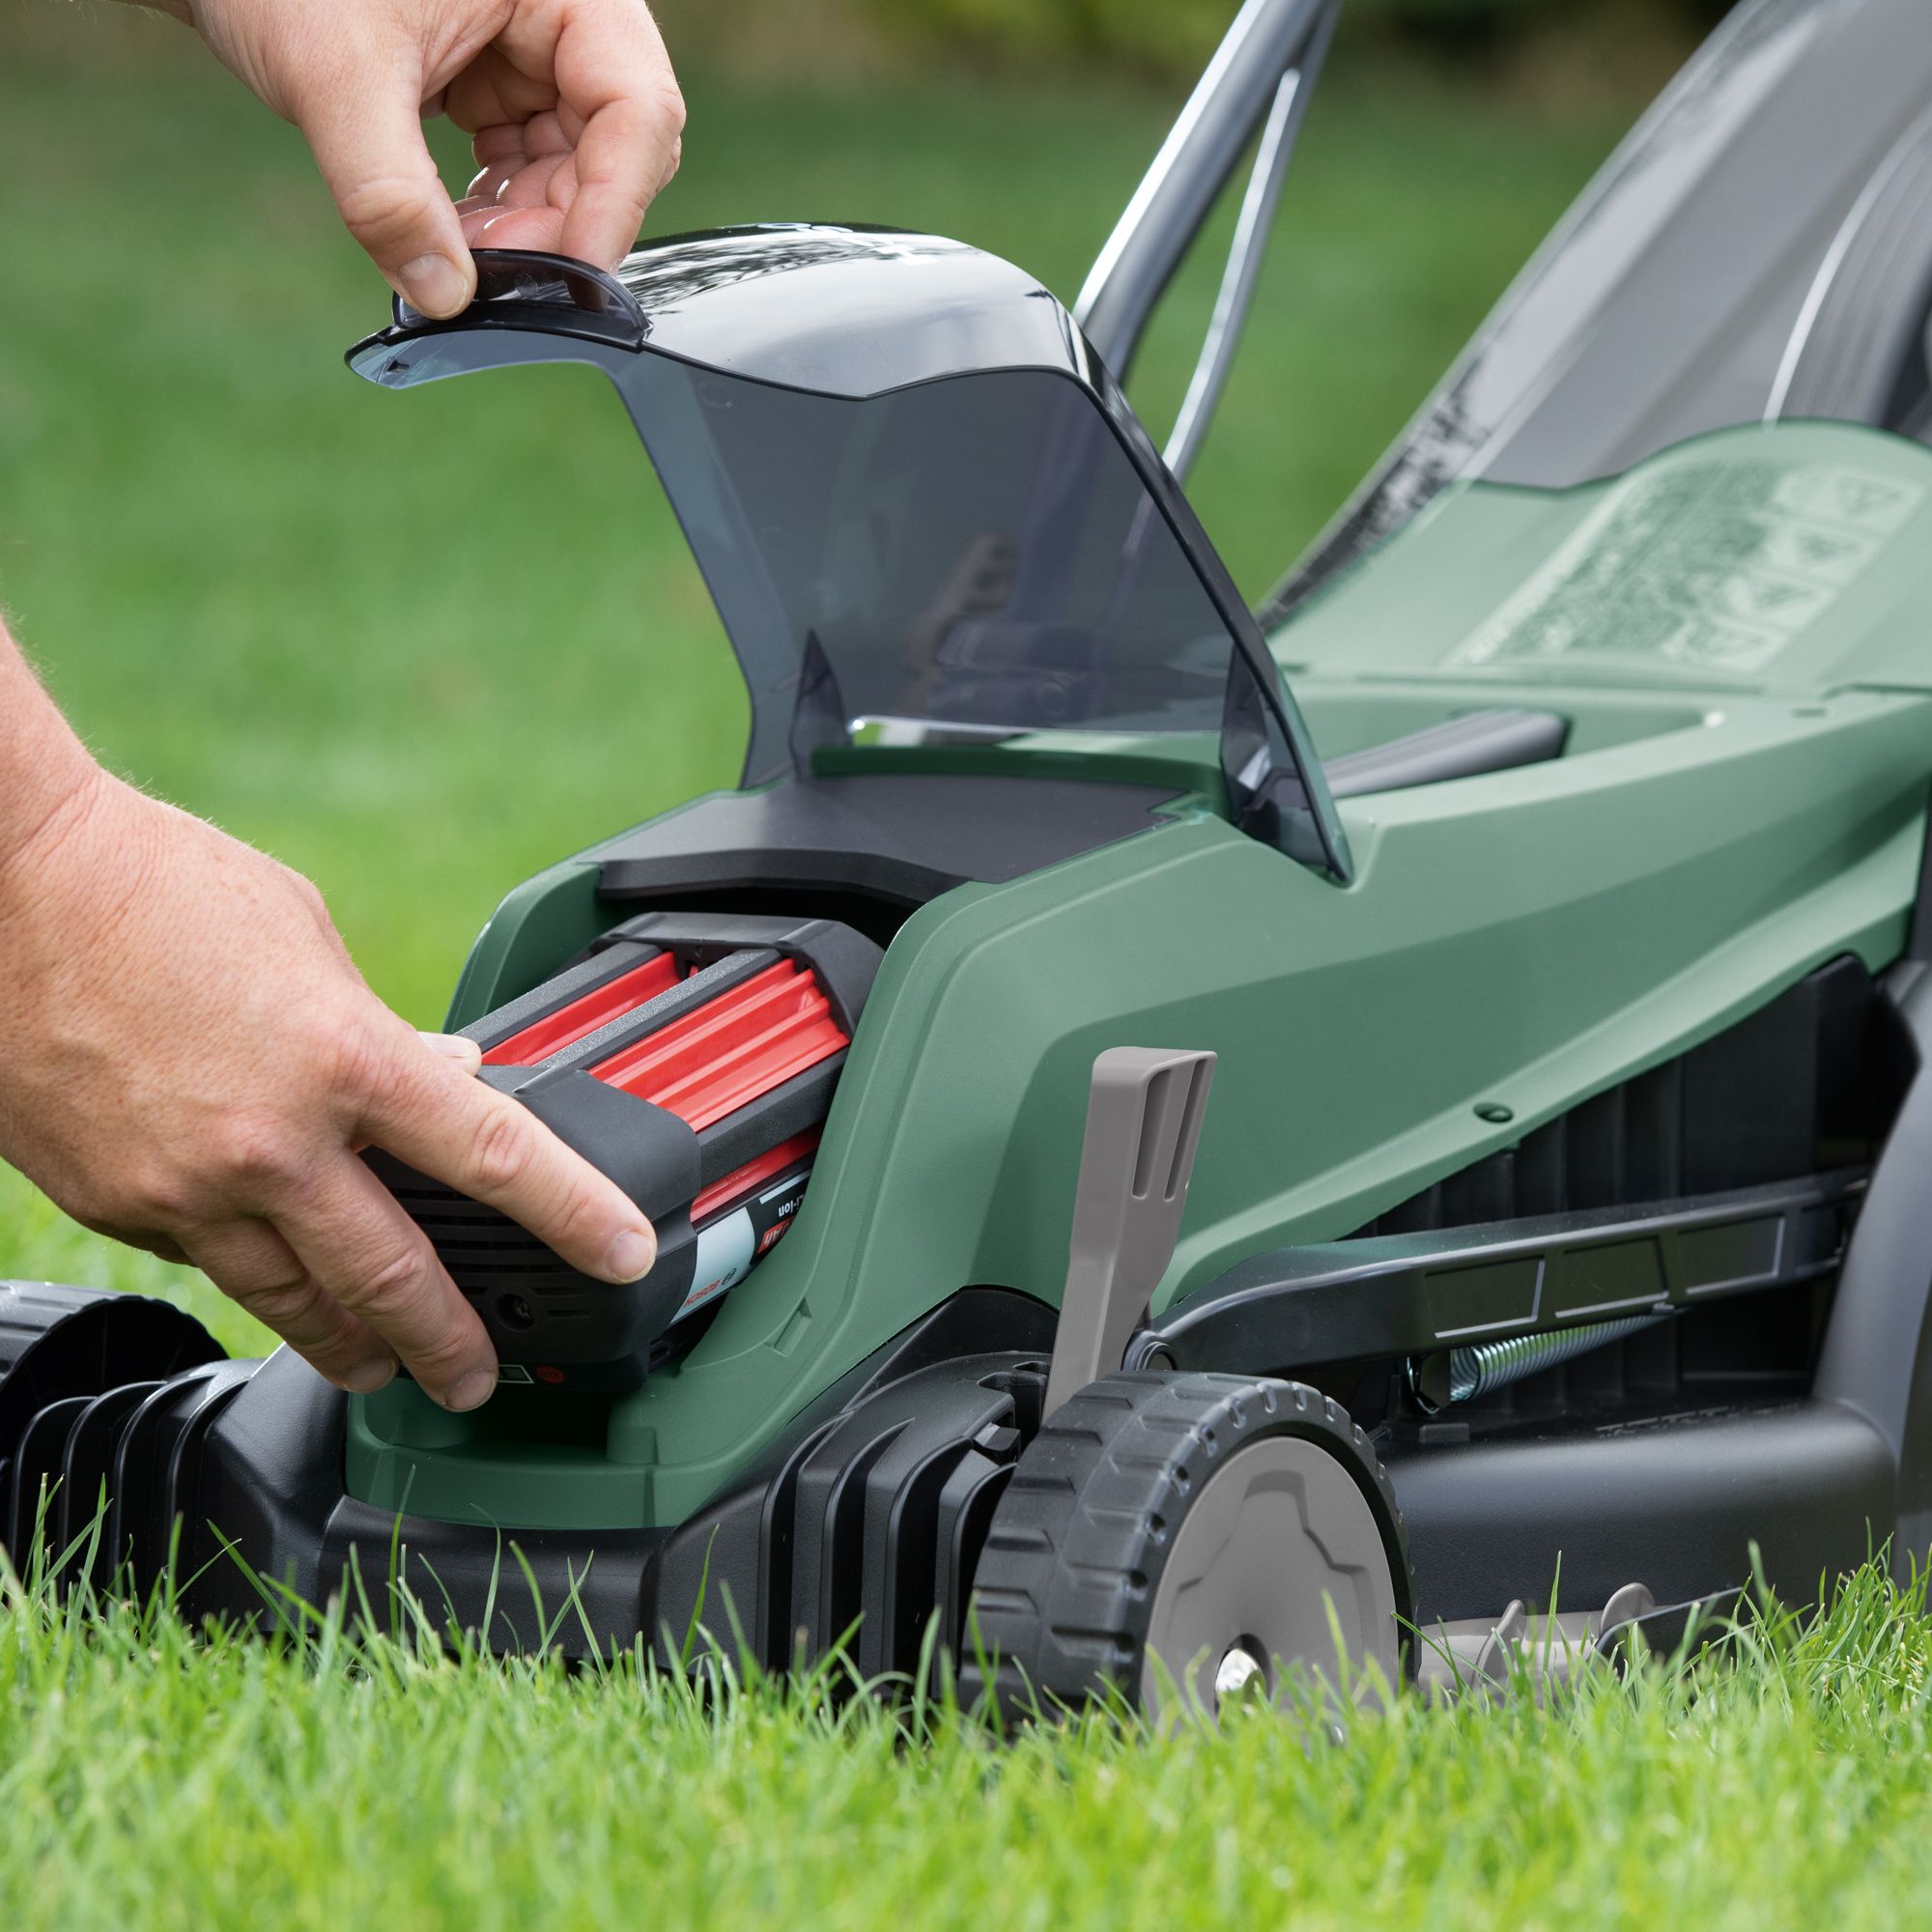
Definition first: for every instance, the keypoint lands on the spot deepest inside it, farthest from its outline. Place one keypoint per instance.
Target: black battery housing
(554, 1327)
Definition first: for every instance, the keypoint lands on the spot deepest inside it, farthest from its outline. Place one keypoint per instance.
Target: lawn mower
(1184, 1137)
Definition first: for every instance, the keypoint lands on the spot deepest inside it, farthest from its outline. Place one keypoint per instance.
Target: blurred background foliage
(421, 646)
(1157, 40)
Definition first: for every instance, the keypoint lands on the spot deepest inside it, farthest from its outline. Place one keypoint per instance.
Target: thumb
(369, 146)
(467, 1054)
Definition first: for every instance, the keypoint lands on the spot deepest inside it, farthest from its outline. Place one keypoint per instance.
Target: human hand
(193, 1062)
(571, 103)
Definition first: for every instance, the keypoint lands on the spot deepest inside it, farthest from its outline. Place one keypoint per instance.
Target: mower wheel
(1188, 1530)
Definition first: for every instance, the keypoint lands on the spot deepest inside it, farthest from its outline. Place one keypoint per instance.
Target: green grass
(421, 646)
(146, 1781)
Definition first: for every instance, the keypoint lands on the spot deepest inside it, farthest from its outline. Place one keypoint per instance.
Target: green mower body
(1523, 940)
(1342, 1114)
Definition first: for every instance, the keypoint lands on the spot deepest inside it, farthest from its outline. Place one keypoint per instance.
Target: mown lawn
(146, 1780)
(421, 646)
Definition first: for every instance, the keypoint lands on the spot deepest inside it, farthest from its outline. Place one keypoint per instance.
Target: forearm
(44, 769)
(205, 1092)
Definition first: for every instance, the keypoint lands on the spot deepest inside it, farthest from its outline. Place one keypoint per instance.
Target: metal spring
(1494, 1365)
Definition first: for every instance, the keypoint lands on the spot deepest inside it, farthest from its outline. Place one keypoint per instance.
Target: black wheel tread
(1081, 1534)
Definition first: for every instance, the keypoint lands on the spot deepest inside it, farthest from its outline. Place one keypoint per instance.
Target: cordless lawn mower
(1157, 1173)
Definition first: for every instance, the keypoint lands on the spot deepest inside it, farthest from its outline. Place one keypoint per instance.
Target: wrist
(48, 780)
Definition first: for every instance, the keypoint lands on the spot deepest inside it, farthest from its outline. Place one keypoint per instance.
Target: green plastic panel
(1523, 939)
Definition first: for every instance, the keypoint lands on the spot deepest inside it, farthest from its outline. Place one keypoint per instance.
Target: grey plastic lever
(1144, 1112)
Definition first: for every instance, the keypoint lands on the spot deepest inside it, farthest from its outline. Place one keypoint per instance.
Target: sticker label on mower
(1717, 565)
(731, 1246)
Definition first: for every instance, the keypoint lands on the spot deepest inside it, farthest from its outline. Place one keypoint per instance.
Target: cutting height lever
(1144, 1112)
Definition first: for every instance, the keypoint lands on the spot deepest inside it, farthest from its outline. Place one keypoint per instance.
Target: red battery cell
(693, 1058)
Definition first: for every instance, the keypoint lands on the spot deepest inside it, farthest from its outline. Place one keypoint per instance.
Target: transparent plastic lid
(916, 501)
(976, 550)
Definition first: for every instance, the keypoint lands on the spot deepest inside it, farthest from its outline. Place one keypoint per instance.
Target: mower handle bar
(1259, 79)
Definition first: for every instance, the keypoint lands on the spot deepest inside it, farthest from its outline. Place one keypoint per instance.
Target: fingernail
(366, 1378)
(470, 1391)
(631, 1255)
(453, 1046)
(435, 285)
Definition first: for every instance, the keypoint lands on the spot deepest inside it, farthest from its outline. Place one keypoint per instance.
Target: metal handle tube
(1245, 252)
(1194, 163)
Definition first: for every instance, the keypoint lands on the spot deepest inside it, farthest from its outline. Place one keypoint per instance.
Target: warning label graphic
(1718, 564)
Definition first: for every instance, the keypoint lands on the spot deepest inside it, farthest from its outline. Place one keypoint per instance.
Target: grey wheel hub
(1280, 1534)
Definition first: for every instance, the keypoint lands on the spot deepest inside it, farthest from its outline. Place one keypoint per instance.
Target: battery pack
(691, 1058)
